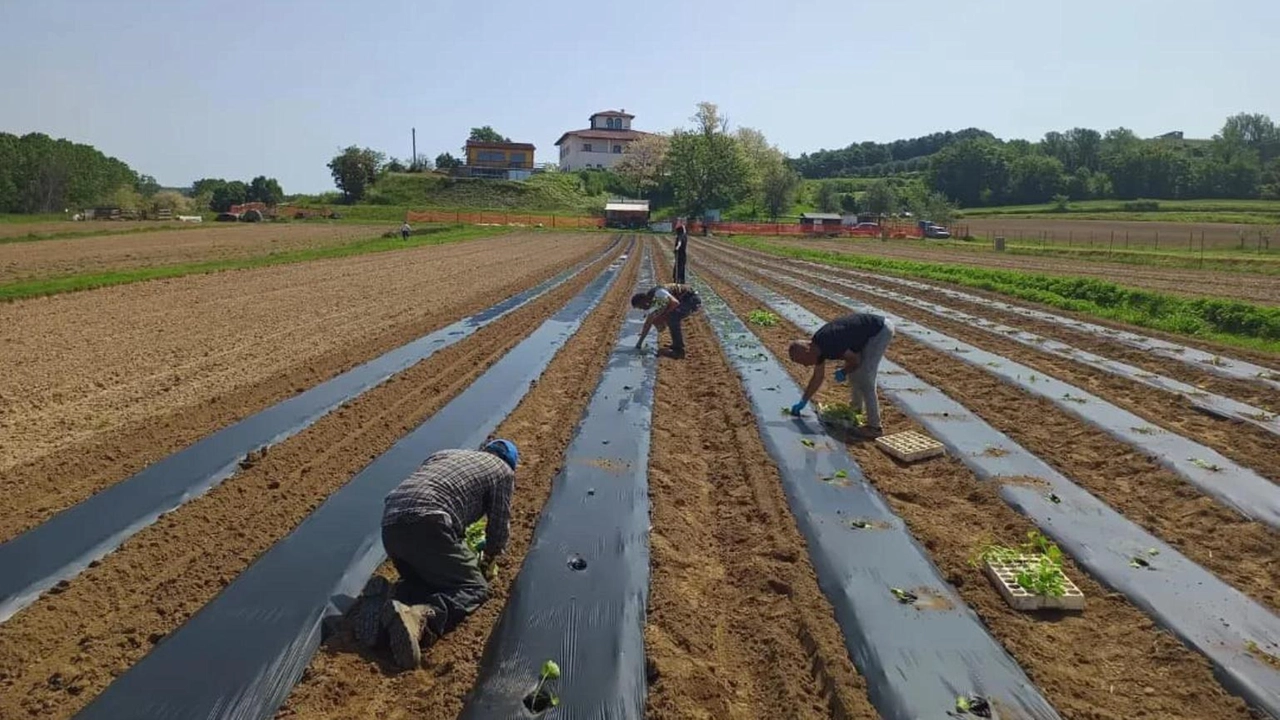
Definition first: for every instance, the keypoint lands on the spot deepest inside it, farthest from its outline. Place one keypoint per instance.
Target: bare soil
(31, 260)
(1254, 288)
(57, 654)
(99, 384)
(1243, 553)
(344, 681)
(40, 229)
(1108, 662)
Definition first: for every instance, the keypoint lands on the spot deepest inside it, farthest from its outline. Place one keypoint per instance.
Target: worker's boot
(406, 628)
(366, 622)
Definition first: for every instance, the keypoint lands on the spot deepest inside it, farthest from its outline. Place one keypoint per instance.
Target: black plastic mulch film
(917, 656)
(581, 594)
(1205, 613)
(63, 546)
(240, 655)
(1211, 472)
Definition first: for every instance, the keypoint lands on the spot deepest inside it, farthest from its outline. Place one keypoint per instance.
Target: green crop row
(1227, 321)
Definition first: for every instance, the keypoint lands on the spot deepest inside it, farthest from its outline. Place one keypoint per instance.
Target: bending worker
(668, 305)
(857, 341)
(424, 526)
(682, 253)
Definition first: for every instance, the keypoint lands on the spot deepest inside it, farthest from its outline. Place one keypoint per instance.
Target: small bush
(1061, 203)
(1141, 206)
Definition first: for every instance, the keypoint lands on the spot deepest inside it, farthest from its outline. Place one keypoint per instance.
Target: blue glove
(795, 409)
(840, 375)
(480, 545)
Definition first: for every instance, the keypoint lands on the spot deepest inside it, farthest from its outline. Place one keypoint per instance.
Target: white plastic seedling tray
(1005, 577)
(910, 446)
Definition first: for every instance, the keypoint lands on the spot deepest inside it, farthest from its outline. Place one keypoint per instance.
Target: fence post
(1126, 239)
(1157, 240)
(1071, 236)
(1191, 240)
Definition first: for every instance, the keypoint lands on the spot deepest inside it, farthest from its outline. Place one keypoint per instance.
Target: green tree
(1084, 149)
(880, 198)
(974, 172)
(206, 185)
(147, 186)
(484, 134)
(232, 193)
(706, 164)
(828, 200)
(779, 185)
(1035, 179)
(643, 162)
(354, 170)
(446, 161)
(265, 190)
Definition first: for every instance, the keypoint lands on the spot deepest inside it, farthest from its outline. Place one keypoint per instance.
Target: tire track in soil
(1108, 663)
(1246, 444)
(343, 680)
(1243, 553)
(1255, 394)
(38, 489)
(1227, 286)
(60, 652)
(737, 626)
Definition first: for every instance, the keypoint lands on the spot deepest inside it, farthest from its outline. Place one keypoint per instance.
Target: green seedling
(842, 474)
(1153, 552)
(1260, 416)
(905, 597)
(475, 535)
(1263, 655)
(1053, 498)
(1205, 465)
(993, 364)
(973, 705)
(1139, 562)
(807, 442)
(763, 318)
(1144, 430)
(1216, 361)
(1072, 398)
(550, 671)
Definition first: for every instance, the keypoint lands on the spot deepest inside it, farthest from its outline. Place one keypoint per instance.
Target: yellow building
(499, 159)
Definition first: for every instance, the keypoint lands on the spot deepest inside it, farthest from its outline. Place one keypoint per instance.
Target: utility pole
(413, 160)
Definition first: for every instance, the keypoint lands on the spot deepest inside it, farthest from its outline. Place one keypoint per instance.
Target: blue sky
(190, 89)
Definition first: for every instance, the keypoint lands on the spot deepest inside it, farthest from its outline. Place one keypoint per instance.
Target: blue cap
(504, 449)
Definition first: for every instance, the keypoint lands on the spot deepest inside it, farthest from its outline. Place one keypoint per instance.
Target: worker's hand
(799, 407)
(490, 571)
(480, 545)
(840, 375)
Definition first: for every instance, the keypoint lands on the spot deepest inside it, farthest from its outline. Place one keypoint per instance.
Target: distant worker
(682, 253)
(667, 306)
(424, 524)
(858, 341)
(405, 230)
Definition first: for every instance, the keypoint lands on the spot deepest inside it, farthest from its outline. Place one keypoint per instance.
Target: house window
(516, 158)
(617, 149)
(564, 150)
(586, 147)
(491, 156)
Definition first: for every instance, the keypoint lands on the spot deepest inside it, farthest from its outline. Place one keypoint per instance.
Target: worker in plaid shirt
(424, 524)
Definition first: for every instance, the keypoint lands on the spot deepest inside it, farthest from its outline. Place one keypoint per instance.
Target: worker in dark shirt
(682, 253)
(424, 524)
(857, 341)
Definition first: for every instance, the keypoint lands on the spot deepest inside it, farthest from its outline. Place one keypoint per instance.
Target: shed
(821, 220)
(632, 214)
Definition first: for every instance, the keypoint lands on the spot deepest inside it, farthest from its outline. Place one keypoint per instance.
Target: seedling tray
(1004, 575)
(840, 423)
(910, 446)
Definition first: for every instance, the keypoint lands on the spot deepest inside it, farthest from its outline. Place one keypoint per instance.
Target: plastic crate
(1004, 575)
(910, 446)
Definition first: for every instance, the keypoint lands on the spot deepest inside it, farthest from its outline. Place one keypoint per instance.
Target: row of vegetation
(1226, 321)
(975, 169)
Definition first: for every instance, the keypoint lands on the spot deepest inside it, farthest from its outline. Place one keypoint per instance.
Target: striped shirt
(466, 485)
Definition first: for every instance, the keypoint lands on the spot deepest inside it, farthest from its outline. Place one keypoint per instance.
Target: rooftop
(627, 206)
(820, 216)
(620, 113)
(603, 134)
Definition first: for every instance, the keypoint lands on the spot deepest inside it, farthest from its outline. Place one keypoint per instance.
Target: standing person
(405, 230)
(424, 524)
(682, 253)
(667, 305)
(859, 342)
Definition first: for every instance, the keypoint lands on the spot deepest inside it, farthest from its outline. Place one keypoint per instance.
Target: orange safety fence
(568, 222)
(896, 231)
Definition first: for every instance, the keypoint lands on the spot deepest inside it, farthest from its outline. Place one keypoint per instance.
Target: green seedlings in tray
(1205, 465)
(840, 414)
(1038, 562)
(763, 318)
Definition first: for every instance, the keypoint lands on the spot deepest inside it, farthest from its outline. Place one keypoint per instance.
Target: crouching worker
(857, 341)
(668, 305)
(424, 525)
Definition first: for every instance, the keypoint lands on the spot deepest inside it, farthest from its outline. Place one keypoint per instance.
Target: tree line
(41, 175)
(872, 159)
(974, 168)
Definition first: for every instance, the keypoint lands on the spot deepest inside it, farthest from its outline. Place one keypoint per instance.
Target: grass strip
(101, 232)
(1227, 321)
(88, 281)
